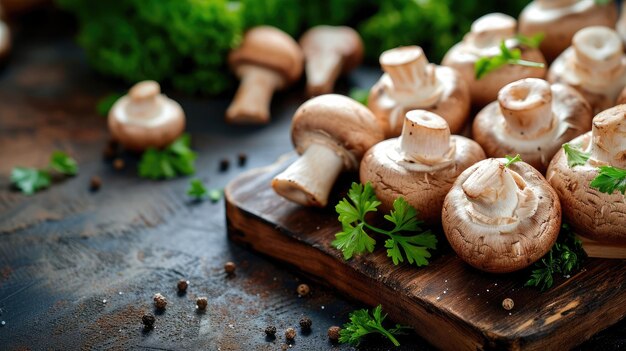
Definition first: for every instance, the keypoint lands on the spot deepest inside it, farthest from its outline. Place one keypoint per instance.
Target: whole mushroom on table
(559, 20)
(595, 65)
(410, 83)
(591, 213)
(331, 133)
(329, 51)
(267, 60)
(501, 218)
(484, 40)
(532, 118)
(421, 165)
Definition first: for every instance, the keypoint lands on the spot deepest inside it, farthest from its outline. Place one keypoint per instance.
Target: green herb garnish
(603, 2)
(486, 65)
(512, 160)
(575, 156)
(176, 159)
(362, 323)
(610, 179)
(215, 195)
(360, 95)
(63, 163)
(532, 42)
(196, 189)
(31, 180)
(105, 104)
(564, 257)
(354, 239)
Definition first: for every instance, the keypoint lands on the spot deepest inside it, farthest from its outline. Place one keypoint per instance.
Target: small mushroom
(409, 83)
(329, 51)
(145, 118)
(331, 133)
(267, 60)
(533, 119)
(595, 65)
(560, 20)
(484, 40)
(420, 165)
(501, 219)
(591, 213)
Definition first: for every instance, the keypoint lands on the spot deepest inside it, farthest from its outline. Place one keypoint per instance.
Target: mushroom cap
(424, 191)
(338, 122)
(590, 213)
(560, 23)
(145, 118)
(340, 39)
(487, 247)
(572, 115)
(271, 48)
(453, 104)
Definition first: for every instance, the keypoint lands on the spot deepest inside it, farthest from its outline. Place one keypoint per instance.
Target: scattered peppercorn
(306, 323)
(110, 151)
(242, 159)
(333, 333)
(224, 165)
(160, 301)
(508, 304)
(95, 183)
(148, 321)
(270, 331)
(182, 285)
(290, 334)
(303, 290)
(202, 303)
(229, 267)
(118, 164)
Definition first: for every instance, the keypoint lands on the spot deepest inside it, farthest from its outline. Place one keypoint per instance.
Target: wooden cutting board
(449, 303)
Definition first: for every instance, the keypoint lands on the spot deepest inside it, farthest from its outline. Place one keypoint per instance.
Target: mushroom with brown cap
(595, 65)
(484, 40)
(532, 118)
(501, 219)
(410, 83)
(267, 60)
(560, 20)
(145, 118)
(331, 133)
(329, 51)
(591, 213)
(420, 165)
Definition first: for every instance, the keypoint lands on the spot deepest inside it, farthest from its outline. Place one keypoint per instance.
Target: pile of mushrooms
(145, 118)
(484, 40)
(329, 51)
(267, 60)
(409, 83)
(420, 165)
(591, 213)
(331, 133)
(595, 65)
(560, 20)
(532, 118)
(501, 219)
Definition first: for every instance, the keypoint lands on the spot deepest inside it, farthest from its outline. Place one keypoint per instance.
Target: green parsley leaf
(575, 156)
(512, 160)
(362, 323)
(30, 180)
(215, 195)
(353, 240)
(603, 2)
(360, 95)
(196, 189)
(104, 105)
(533, 41)
(176, 159)
(63, 163)
(610, 179)
(486, 65)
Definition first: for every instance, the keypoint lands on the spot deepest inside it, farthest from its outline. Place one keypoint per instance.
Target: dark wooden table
(78, 268)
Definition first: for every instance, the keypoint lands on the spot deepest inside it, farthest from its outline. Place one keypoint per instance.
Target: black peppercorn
(242, 159)
(95, 183)
(202, 303)
(118, 164)
(160, 301)
(270, 331)
(306, 323)
(182, 285)
(230, 267)
(333, 333)
(224, 164)
(148, 321)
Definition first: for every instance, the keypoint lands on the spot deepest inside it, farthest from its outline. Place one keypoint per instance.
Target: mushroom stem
(322, 71)
(425, 138)
(597, 56)
(308, 181)
(143, 104)
(608, 142)
(492, 190)
(526, 105)
(252, 100)
(491, 29)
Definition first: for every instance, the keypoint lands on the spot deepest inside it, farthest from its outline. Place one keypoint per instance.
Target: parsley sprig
(362, 323)
(354, 238)
(575, 156)
(532, 41)
(486, 65)
(176, 159)
(608, 180)
(196, 189)
(564, 257)
(31, 180)
(511, 160)
(360, 95)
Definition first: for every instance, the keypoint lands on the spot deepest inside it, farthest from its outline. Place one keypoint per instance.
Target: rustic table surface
(78, 268)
